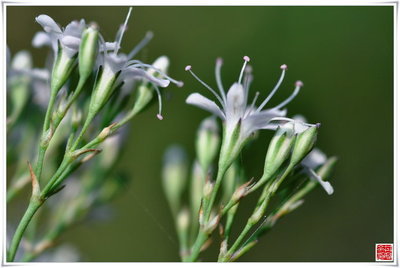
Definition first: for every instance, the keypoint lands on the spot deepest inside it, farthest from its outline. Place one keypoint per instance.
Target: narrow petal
(325, 184)
(235, 103)
(132, 72)
(71, 42)
(75, 29)
(204, 103)
(108, 46)
(41, 39)
(260, 120)
(48, 24)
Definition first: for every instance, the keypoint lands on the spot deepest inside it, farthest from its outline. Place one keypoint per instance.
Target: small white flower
(69, 38)
(234, 108)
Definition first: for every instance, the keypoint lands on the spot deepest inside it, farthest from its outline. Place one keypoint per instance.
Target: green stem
(33, 206)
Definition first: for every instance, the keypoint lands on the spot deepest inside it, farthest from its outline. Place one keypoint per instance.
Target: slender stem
(33, 206)
(202, 235)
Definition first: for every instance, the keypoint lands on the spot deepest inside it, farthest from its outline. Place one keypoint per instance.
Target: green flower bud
(63, 66)
(183, 220)
(207, 142)
(304, 143)
(88, 50)
(196, 188)
(174, 176)
(230, 182)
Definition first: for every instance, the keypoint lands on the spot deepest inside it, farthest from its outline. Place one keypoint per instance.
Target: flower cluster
(93, 90)
(292, 168)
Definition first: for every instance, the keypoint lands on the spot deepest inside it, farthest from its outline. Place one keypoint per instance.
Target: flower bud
(88, 51)
(230, 182)
(183, 220)
(304, 143)
(63, 66)
(174, 176)
(207, 142)
(196, 188)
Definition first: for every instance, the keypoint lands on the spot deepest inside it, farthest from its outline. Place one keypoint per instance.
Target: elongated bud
(88, 50)
(76, 118)
(208, 188)
(304, 143)
(63, 66)
(183, 220)
(230, 182)
(257, 214)
(207, 142)
(174, 176)
(212, 224)
(196, 188)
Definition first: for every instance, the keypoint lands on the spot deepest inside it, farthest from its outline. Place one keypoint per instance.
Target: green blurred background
(344, 55)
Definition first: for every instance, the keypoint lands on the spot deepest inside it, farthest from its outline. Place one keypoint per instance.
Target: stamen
(159, 116)
(117, 45)
(141, 64)
(246, 60)
(189, 68)
(218, 66)
(283, 67)
(294, 121)
(291, 97)
(146, 39)
(252, 104)
(248, 78)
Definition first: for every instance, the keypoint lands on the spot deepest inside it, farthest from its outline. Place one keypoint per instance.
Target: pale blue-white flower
(241, 118)
(69, 38)
(122, 67)
(234, 107)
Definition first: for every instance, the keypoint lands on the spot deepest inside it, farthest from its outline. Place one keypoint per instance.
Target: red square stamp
(383, 252)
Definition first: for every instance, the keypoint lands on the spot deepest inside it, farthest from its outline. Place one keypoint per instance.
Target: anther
(246, 58)
(299, 83)
(188, 67)
(284, 67)
(160, 117)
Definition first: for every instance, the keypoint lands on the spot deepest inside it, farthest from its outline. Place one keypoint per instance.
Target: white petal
(325, 184)
(22, 60)
(71, 42)
(48, 24)
(202, 102)
(75, 29)
(41, 39)
(235, 103)
(260, 120)
(314, 159)
(115, 62)
(132, 72)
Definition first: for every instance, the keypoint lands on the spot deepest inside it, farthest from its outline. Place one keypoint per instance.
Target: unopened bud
(183, 220)
(88, 51)
(212, 224)
(304, 143)
(207, 142)
(174, 176)
(63, 66)
(208, 188)
(196, 188)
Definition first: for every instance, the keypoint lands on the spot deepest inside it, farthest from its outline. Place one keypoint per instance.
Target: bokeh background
(344, 55)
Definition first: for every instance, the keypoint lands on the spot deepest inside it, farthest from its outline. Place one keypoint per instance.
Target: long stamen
(146, 39)
(252, 103)
(248, 78)
(218, 66)
(188, 68)
(159, 116)
(298, 84)
(246, 60)
(117, 45)
(141, 64)
(284, 68)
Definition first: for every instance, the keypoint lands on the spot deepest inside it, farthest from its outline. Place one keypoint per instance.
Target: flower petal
(235, 103)
(314, 159)
(260, 120)
(75, 28)
(132, 72)
(325, 184)
(106, 46)
(41, 39)
(204, 103)
(48, 24)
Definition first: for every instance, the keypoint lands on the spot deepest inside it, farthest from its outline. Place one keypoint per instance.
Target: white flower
(69, 38)
(122, 66)
(234, 108)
